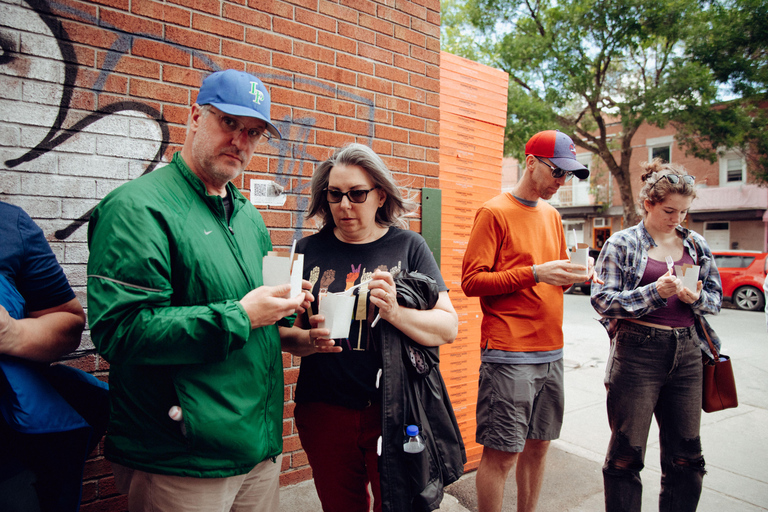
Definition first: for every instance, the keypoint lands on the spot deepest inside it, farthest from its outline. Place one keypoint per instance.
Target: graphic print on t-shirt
(364, 309)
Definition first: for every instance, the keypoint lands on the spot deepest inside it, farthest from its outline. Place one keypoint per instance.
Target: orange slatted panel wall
(473, 112)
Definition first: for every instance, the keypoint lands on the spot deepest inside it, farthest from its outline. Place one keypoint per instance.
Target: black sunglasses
(557, 172)
(675, 179)
(354, 196)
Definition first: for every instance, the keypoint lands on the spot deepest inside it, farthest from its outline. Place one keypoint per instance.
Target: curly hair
(657, 187)
(395, 207)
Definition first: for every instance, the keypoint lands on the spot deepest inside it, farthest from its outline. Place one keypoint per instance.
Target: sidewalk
(734, 441)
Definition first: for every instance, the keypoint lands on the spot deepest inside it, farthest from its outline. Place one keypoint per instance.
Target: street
(734, 441)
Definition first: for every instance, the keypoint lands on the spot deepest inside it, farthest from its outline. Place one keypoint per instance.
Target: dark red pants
(341, 447)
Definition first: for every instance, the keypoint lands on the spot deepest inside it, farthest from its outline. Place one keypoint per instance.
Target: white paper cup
(337, 309)
(580, 257)
(690, 278)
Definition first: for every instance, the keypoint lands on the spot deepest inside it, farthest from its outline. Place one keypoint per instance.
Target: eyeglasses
(557, 172)
(354, 196)
(675, 179)
(231, 125)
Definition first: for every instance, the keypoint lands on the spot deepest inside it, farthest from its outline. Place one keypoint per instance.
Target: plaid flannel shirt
(621, 265)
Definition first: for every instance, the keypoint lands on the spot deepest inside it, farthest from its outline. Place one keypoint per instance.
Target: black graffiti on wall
(292, 153)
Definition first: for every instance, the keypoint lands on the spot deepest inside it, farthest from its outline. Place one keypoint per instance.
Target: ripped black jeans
(654, 372)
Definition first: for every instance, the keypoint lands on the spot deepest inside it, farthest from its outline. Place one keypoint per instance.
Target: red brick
(423, 139)
(217, 26)
(107, 487)
(291, 376)
(393, 15)
(433, 127)
(433, 99)
(131, 24)
(425, 112)
(410, 37)
(365, 6)
(88, 34)
(412, 9)
(425, 83)
(97, 467)
(410, 93)
(284, 238)
(294, 30)
(90, 491)
(291, 97)
(333, 139)
(356, 94)
(379, 115)
(393, 103)
(303, 66)
(433, 155)
(371, 52)
(85, 363)
(182, 76)
(432, 183)
(424, 169)
(313, 52)
(332, 41)
(251, 17)
(118, 4)
(431, 56)
(336, 75)
(392, 44)
(291, 443)
(262, 39)
(160, 51)
(83, 56)
(433, 45)
(433, 72)
(424, 27)
(354, 63)
(199, 5)
(357, 33)
(74, 10)
(177, 134)
(162, 12)
(157, 91)
(132, 66)
(338, 12)
(370, 83)
(275, 7)
(377, 25)
(391, 133)
(292, 477)
(352, 126)
(409, 64)
(392, 73)
(408, 151)
(381, 147)
(192, 39)
(409, 122)
(214, 63)
(433, 17)
(313, 19)
(336, 107)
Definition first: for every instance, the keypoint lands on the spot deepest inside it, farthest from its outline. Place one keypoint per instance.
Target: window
(733, 169)
(660, 147)
(728, 261)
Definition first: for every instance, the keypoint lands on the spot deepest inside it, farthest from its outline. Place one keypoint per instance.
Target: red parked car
(743, 274)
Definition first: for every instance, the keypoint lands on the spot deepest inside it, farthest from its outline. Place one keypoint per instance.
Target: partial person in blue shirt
(51, 417)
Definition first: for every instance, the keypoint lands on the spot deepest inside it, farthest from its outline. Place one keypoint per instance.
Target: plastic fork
(670, 263)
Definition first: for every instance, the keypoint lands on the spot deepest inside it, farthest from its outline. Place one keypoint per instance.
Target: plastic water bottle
(414, 443)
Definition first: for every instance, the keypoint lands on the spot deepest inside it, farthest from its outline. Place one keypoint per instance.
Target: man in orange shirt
(517, 263)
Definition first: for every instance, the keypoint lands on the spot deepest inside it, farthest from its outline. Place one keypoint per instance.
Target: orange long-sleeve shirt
(507, 238)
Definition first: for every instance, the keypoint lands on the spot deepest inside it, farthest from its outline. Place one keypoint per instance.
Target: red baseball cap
(560, 150)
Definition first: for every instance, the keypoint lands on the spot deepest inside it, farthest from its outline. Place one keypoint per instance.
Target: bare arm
(44, 335)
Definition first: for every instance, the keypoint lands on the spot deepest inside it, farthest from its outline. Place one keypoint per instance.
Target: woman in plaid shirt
(654, 367)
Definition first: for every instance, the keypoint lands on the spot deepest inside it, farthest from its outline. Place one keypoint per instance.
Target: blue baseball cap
(560, 150)
(238, 93)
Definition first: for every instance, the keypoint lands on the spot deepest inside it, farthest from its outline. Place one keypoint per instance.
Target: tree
(584, 65)
(731, 39)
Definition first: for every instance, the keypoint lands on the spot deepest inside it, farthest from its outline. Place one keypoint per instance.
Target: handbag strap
(709, 340)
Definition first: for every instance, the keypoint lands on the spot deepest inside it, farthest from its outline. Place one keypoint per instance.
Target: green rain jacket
(165, 276)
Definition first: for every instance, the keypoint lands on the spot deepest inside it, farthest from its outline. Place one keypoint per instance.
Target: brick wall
(96, 93)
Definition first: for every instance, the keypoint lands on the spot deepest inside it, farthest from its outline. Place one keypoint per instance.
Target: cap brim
(569, 164)
(237, 110)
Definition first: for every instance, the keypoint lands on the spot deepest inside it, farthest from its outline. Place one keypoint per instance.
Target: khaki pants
(256, 491)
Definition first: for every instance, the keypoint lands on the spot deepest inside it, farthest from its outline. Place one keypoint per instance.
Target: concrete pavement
(734, 441)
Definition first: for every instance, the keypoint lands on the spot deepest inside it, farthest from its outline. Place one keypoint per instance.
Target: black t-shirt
(348, 378)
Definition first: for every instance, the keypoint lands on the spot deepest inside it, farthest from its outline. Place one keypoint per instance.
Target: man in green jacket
(177, 305)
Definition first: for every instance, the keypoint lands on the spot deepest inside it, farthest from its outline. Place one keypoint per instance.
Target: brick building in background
(96, 93)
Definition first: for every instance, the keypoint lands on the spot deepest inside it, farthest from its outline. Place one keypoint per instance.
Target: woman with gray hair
(654, 366)
(341, 411)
